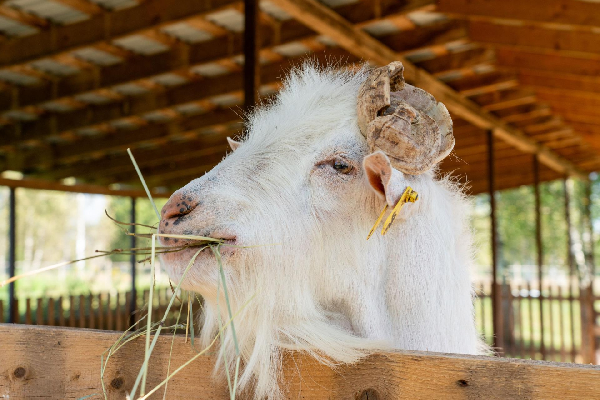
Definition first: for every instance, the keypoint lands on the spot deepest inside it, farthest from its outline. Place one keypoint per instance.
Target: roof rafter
(100, 27)
(183, 55)
(328, 22)
(568, 12)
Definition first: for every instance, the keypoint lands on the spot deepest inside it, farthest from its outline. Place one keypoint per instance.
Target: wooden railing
(561, 332)
(61, 363)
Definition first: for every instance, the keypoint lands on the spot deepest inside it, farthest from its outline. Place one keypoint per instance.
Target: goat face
(296, 185)
(293, 191)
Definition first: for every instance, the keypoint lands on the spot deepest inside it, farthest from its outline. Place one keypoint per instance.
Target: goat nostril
(177, 207)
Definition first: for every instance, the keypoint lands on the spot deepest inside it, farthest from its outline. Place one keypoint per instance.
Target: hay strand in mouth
(137, 169)
(144, 367)
(191, 360)
(127, 223)
(48, 268)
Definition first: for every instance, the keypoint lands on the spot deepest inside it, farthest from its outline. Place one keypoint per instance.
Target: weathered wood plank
(101, 27)
(548, 60)
(356, 41)
(535, 36)
(42, 362)
(570, 12)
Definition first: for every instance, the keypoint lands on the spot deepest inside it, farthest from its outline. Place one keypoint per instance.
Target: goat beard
(271, 319)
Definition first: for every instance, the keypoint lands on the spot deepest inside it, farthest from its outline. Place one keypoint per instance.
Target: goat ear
(234, 144)
(385, 180)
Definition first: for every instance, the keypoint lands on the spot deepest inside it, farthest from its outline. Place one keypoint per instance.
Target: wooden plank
(569, 12)
(200, 89)
(65, 363)
(101, 27)
(511, 34)
(251, 53)
(327, 22)
(198, 148)
(123, 139)
(78, 188)
(560, 80)
(183, 55)
(548, 60)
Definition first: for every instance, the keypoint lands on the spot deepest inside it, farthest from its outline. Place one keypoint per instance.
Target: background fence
(523, 332)
(109, 311)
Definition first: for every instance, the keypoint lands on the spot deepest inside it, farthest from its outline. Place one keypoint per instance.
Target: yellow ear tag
(409, 196)
(377, 222)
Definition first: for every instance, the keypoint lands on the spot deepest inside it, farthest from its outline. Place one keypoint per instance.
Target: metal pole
(251, 57)
(571, 262)
(12, 252)
(496, 290)
(132, 260)
(540, 251)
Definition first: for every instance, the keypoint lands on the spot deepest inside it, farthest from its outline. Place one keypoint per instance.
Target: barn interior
(81, 81)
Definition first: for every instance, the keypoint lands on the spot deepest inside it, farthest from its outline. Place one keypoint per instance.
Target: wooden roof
(82, 80)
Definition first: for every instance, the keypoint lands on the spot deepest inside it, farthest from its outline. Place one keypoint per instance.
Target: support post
(540, 250)
(251, 57)
(132, 260)
(571, 263)
(588, 314)
(496, 289)
(13, 313)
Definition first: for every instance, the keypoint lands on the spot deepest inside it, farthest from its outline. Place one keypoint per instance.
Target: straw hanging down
(137, 169)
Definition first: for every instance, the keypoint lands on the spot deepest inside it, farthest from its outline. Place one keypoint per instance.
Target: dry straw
(155, 328)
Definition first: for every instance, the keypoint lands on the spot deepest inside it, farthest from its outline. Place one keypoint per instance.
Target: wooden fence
(64, 363)
(96, 311)
(562, 330)
(523, 333)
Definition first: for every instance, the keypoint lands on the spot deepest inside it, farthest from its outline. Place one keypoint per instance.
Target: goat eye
(342, 167)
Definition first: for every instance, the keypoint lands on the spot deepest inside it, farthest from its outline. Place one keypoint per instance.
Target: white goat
(304, 188)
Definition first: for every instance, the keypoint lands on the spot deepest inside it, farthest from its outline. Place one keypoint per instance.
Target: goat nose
(178, 205)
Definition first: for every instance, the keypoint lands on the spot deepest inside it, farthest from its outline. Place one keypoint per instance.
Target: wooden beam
(199, 89)
(549, 60)
(39, 184)
(568, 81)
(544, 37)
(568, 12)
(251, 54)
(183, 55)
(65, 363)
(198, 147)
(101, 27)
(124, 138)
(356, 41)
(53, 123)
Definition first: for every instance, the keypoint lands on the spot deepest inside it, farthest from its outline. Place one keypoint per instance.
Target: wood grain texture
(64, 363)
(568, 12)
(329, 23)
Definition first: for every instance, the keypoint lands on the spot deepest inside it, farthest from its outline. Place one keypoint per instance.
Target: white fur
(318, 285)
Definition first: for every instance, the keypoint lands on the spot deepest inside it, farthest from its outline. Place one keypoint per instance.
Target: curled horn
(405, 122)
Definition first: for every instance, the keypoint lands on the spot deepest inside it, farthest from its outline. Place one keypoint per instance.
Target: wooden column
(496, 289)
(588, 314)
(571, 263)
(13, 313)
(132, 260)
(540, 250)
(251, 54)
